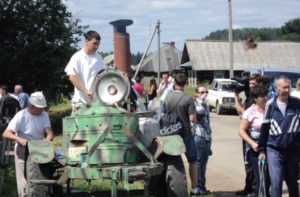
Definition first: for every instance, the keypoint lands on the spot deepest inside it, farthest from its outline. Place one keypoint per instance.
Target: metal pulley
(111, 86)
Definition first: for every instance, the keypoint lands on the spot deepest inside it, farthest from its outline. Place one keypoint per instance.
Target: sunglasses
(202, 92)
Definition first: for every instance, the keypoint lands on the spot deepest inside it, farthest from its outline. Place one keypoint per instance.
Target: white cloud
(180, 19)
(175, 4)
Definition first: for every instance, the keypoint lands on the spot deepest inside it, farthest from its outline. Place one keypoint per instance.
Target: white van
(292, 73)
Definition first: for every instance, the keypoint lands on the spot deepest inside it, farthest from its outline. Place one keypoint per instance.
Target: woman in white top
(249, 130)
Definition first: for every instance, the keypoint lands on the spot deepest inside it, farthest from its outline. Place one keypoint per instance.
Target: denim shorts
(191, 150)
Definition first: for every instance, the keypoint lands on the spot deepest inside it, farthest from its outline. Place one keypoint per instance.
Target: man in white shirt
(163, 90)
(82, 69)
(31, 123)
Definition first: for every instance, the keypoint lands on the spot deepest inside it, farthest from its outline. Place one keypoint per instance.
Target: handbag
(170, 122)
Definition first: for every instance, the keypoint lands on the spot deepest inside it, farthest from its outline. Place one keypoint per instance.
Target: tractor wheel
(175, 177)
(172, 182)
(157, 185)
(35, 171)
(218, 109)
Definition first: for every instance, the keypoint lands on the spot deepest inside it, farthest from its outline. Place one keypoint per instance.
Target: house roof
(109, 59)
(170, 58)
(214, 55)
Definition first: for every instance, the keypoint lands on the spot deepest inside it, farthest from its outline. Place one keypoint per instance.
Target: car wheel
(218, 109)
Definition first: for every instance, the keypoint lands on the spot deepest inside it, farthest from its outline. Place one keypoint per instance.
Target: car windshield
(228, 86)
(292, 76)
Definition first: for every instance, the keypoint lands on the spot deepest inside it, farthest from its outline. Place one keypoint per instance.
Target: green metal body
(41, 151)
(102, 141)
(99, 124)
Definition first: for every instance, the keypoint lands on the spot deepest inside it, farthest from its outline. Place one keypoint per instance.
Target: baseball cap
(37, 99)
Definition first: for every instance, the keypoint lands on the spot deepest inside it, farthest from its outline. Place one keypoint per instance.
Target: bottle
(84, 158)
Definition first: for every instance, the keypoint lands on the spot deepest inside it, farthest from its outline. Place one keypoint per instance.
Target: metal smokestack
(122, 45)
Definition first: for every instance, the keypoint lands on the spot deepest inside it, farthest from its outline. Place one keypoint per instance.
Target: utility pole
(158, 45)
(157, 28)
(230, 40)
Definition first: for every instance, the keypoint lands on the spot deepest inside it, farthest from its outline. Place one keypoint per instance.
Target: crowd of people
(270, 131)
(270, 128)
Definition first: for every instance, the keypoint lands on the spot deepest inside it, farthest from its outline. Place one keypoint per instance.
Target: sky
(180, 19)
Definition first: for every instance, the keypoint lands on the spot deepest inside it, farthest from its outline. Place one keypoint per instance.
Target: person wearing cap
(82, 69)
(31, 123)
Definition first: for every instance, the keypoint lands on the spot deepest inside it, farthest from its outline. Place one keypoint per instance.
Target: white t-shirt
(282, 107)
(28, 126)
(166, 88)
(86, 67)
(255, 118)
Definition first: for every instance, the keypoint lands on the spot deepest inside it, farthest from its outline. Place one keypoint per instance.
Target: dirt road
(225, 169)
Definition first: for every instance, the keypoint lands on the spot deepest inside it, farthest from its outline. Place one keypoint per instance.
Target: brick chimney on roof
(172, 44)
(250, 42)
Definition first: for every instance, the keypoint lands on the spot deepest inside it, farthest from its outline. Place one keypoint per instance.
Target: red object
(122, 45)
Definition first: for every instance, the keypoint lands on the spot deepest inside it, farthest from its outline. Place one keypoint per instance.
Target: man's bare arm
(49, 134)
(75, 80)
(238, 106)
(8, 133)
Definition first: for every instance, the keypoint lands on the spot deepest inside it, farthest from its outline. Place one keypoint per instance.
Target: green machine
(102, 140)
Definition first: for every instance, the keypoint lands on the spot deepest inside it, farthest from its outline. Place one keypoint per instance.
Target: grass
(9, 187)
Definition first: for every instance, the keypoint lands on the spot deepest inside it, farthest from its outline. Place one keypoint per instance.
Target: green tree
(104, 54)
(37, 38)
(259, 34)
(136, 58)
(291, 30)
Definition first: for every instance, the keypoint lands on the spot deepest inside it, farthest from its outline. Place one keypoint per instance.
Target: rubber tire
(35, 171)
(218, 109)
(172, 182)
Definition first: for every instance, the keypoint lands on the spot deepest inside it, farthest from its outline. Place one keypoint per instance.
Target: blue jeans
(203, 152)
(283, 165)
(253, 159)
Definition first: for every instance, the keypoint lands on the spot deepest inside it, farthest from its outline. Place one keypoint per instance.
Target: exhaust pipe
(122, 45)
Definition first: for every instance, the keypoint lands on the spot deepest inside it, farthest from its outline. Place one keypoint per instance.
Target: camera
(242, 85)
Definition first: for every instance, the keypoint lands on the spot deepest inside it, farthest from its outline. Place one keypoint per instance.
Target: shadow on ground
(223, 193)
(232, 193)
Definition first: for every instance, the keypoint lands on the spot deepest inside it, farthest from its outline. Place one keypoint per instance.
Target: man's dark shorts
(191, 150)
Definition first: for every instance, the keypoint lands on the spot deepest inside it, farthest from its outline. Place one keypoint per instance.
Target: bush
(57, 113)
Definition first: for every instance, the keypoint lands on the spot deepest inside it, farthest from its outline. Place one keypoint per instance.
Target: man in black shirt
(9, 106)
(184, 106)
